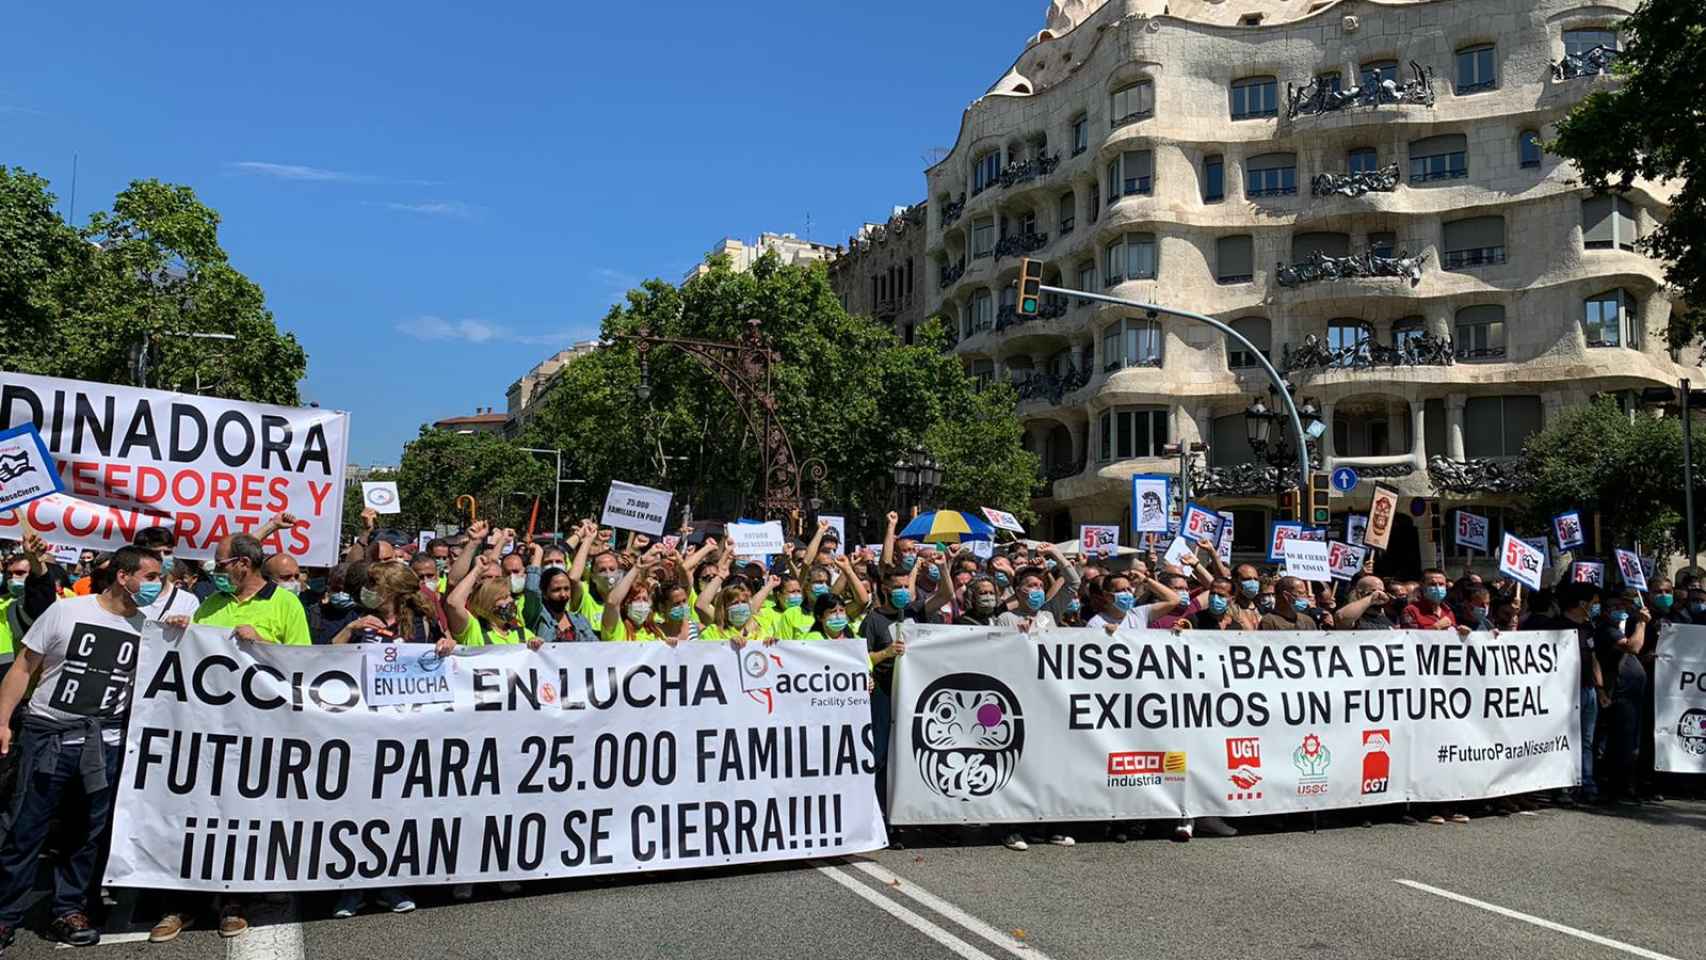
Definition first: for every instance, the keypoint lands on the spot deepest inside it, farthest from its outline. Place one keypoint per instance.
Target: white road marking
(277, 941)
(1538, 921)
(107, 938)
(908, 888)
(959, 947)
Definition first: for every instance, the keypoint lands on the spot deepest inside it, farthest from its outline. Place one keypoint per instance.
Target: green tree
(848, 393)
(440, 465)
(77, 302)
(1649, 127)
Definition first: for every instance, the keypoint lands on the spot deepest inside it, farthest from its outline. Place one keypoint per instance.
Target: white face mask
(612, 578)
(294, 586)
(517, 582)
(370, 598)
(639, 612)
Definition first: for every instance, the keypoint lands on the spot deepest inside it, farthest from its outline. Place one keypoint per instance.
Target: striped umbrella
(947, 526)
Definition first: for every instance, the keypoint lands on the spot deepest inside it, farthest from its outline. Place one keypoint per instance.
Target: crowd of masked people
(69, 635)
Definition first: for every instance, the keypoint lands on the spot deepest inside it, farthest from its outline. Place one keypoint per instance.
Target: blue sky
(435, 196)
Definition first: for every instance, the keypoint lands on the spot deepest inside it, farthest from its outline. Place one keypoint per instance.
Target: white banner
(1679, 700)
(257, 767)
(1308, 560)
(381, 496)
(759, 539)
(1002, 520)
(203, 466)
(630, 506)
(1520, 559)
(995, 726)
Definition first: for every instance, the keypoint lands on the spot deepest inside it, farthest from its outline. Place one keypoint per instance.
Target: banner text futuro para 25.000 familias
(203, 466)
(254, 767)
(995, 725)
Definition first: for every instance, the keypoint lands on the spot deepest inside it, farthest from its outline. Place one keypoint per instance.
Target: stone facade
(1202, 193)
(788, 246)
(881, 272)
(525, 394)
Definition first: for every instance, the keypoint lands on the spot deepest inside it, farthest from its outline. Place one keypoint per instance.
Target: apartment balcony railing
(1060, 470)
(1471, 354)
(1019, 244)
(1024, 171)
(1047, 386)
(1595, 61)
(952, 209)
(1384, 180)
(951, 274)
(1317, 97)
(1421, 350)
(1319, 266)
(1481, 475)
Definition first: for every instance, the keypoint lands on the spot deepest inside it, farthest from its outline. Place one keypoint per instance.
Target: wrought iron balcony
(1243, 479)
(951, 273)
(1483, 475)
(1319, 266)
(1476, 257)
(952, 209)
(1007, 315)
(1595, 61)
(1281, 191)
(1047, 386)
(1470, 355)
(1019, 244)
(1053, 308)
(1024, 171)
(1384, 180)
(1421, 350)
(1316, 98)
(1059, 470)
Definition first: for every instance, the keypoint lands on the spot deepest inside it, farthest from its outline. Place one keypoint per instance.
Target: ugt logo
(1244, 767)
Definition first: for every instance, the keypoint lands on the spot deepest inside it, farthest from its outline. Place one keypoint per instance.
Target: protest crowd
(488, 585)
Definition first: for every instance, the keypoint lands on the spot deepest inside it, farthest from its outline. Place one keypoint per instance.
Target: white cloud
(477, 331)
(443, 208)
(300, 172)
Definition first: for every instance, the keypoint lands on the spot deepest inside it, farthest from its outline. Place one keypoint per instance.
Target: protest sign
(575, 760)
(630, 506)
(1278, 534)
(1223, 545)
(1178, 551)
(396, 674)
(1629, 565)
(1076, 727)
(1002, 520)
(423, 538)
(1539, 544)
(1356, 525)
(204, 467)
(1307, 560)
(759, 539)
(1097, 539)
(1520, 560)
(27, 472)
(1381, 510)
(65, 554)
(838, 524)
(1567, 527)
(1679, 699)
(381, 496)
(1587, 571)
(1345, 559)
(1199, 525)
(1472, 531)
(1150, 496)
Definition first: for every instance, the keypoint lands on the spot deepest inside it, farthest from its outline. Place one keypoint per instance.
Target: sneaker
(1015, 842)
(231, 922)
(1062, 840)
(402, 905)
(1459, 818)
(1216, 827)
(462, 891)
(349, 904)
(1184, 830)
(168, 928)
(509, 888)
(1408, 820)
(1436, 820)
(75, 929)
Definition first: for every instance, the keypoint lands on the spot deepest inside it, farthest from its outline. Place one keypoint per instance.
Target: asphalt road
(1629, 876)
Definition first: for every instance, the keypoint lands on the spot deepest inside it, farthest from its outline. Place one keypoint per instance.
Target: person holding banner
(1220, 612)
(482, 611)
(1429, 611)
(1291, 607)
(558, 623)
(785, 616)
(81, 654)
(253, 606)
(396, 612)
(1367, 607)
(337, 606)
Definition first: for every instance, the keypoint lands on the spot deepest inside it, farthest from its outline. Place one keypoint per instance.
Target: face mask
(794, 600)
(146, 594)
(1125, 600)
(610, 579)
(1250, 587)
(1697, 606)
(1663, 601)
(1184, 602)
(820, 590)
(442, 564)
(1072, 606)
(165, 565)
(222, 582)
(370, 598)
(1265, 603)
(739, 614)
(1048, 564)
(986, 603)
(678, 612)
(208, 566)
(1435, 593)
(292, 586)
(1001, 580)
(15, 586)
(1299, 604)
(1593, 609)
(900, 597)
(1217, 604)
(517, 583)
(1619, 616)
(341, 600)
(1034, 599)
(638, 612)
(835, 622)
(908, 560)
(1479, 612)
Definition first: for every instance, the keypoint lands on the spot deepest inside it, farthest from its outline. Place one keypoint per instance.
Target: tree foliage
(76, 302)
(1650, 127)
(440, 465)
(848, 393)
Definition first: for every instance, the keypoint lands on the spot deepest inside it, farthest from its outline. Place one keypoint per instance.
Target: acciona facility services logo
(968, 733)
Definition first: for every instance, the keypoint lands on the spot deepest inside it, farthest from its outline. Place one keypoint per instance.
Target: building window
(1132, 103)
(1131, 173)
(1255, 97)
(1362, 436)
(1234, 260)
(1376, 71)
(1578, 42)
(1086, 278)
(1349, 338)
(1528, 147)
(1095, 202)
(1132, 257)
(1229, 446)
(1255, 330)
(1068, 208)
(1474, 242)
(1028, 223)
(1610, 320)
(1129, 432)
(982, 311)
(1306, 245)
(982, 237)
(1132, 343)
(1480, 332)
(1444, 157)
(1498, 426)
(1475, 69)
(1080, 134)
(1383, 243)
(1271, 175)
(985, 172)
(1608, 223)
(1362, 160)
(1213, 179)
(1407, 331)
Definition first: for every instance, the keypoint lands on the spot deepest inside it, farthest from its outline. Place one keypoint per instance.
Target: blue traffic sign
(1345, 479)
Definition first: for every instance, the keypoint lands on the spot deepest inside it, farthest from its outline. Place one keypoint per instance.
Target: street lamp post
(917, 479)
(139, 365)
(1187, 454)
(556, 486)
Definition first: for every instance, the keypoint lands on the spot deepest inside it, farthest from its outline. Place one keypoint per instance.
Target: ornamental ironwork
(1048, 474)
(952, 209)
(1320, 266)
(1384, 180)
(1024, 171)
(1595, 61)
(1483, 475)
(1418, 350)
(1053, 308)
(1241, 480)
(951, 273)
(1319, 96)
(1019, 244)
(1047, 386)
(1386, 471)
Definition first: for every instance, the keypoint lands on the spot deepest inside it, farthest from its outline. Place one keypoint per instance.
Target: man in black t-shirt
(1578, 604)
(1618, 641)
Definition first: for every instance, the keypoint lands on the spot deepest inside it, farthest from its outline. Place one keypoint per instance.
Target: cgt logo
(1376, 762)
(1244, 767)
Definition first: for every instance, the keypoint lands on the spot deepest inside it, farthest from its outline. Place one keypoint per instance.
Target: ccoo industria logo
(968, 733)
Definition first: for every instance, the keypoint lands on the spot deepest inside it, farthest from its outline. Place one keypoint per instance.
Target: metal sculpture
(1596, 61)
(1384, 180)
(1320, 266)
(1484, 475)
(1421, 350)
(1319, 97)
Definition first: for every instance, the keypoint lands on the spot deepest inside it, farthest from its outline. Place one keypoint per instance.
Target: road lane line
(275, 941)
(959, 947)
(1538, 921)
(106, 938)
(908, 888)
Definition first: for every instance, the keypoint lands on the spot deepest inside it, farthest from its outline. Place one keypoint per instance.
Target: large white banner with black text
(1679, 700)
(255, 767)
(994, 725)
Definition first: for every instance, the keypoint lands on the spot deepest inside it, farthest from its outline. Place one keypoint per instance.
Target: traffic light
(1320, 500)
(1289, 506)
(1030, 287)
